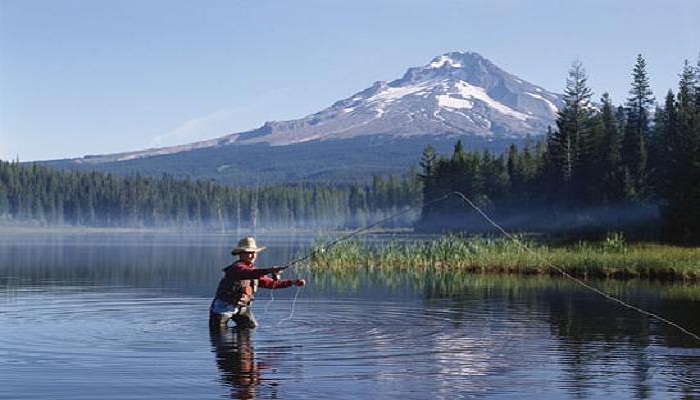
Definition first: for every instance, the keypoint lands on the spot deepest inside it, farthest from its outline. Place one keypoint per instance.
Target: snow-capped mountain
(455, 94)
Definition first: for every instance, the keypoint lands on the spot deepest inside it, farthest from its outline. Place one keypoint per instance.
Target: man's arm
(269, 283)
(242, 271)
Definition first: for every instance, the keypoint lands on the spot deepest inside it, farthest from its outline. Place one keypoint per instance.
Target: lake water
(98, 316)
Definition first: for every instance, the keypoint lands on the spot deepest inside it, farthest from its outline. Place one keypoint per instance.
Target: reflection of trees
(161, 260)
(593, 332)
(236, 360)
(599, 340)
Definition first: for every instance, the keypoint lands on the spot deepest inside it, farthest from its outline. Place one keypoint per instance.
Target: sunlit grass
(611, 258)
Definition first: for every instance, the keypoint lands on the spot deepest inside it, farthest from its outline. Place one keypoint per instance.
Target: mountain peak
(466, 66)
(445, 61)
(456, 93)
(456, 59)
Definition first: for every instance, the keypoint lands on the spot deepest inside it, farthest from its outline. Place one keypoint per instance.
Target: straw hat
(247, 245)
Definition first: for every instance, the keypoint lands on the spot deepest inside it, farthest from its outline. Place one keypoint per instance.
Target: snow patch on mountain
(549, 103)
(475, 92)
(449, 101)
(443, 61)
(391, 94)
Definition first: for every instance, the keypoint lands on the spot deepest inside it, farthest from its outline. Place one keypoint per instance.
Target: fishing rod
(309, 254)
(509, 236)
(357, 232)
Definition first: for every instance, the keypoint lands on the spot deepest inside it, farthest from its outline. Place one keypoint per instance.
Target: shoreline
(453, 253)
(449, 255)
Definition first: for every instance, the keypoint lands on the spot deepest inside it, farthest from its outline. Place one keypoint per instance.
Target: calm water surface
(125, 317)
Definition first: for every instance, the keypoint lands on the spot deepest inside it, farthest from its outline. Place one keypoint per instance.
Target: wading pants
(243, 318)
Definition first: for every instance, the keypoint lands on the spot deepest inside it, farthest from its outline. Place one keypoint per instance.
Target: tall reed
(611, 258)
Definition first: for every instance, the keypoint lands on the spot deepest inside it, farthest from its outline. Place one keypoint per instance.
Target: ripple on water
(100, 342)
(356, 339)
(110, 341)
(78, 328)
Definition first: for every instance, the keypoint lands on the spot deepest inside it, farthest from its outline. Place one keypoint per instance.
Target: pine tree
(662, 145)
(494, 175)
(612, 181)
(572, 144)
(636, 137)
(4, 203)
(427, 176)
(515, 167)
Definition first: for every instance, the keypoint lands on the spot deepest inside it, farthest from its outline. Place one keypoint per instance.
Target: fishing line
(362, 230)
(291, 313)
(332, 243)
(548, 263)
(571, 277)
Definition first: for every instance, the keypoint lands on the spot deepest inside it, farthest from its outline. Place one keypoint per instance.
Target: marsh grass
(610, 258)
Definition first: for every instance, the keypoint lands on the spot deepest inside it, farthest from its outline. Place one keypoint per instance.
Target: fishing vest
(244, 291)
(236, 291)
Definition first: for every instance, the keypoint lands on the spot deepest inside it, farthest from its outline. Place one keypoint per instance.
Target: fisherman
(237, 288)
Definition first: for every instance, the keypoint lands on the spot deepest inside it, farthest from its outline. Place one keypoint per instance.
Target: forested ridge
(53, 197)
(632, 166)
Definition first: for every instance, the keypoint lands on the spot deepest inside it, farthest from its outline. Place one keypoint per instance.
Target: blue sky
(84, 77)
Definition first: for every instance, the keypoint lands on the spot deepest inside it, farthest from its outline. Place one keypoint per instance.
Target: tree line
(600, 166)
(47, 197)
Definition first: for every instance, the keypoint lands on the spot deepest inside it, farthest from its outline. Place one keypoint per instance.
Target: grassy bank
(611, 258)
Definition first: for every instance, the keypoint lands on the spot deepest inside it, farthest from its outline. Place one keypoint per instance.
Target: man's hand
(275, 272)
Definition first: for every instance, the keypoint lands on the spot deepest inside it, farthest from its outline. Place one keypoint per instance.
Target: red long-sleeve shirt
(239, 271)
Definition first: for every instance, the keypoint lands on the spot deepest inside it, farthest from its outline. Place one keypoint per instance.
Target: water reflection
(573, 311)
(362, 333)
(597, 342)
(189, 262)
(236, 360)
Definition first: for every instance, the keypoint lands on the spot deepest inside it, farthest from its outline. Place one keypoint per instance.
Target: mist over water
(552, 220)
(125, 316)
